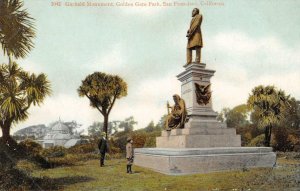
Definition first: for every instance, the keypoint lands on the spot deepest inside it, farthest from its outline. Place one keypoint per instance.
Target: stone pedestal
(202, 129)
(203, 160)
(201, 137)
(205, 144)
(196, 73)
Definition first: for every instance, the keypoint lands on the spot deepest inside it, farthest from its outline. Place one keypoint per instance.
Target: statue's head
(176, 98)
(195, 12)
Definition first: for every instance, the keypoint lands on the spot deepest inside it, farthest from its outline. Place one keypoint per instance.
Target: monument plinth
(202, 128)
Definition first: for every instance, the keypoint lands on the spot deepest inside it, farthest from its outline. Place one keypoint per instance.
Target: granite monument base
(185, 161)
(199, 138)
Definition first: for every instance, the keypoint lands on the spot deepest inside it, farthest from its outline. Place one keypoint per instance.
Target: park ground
(87, 175)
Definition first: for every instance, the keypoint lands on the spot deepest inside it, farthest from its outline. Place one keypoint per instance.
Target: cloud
(64, 106)
(243, 62)
(148, 100)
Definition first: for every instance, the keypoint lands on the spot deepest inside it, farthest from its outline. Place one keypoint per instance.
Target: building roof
(59, 126)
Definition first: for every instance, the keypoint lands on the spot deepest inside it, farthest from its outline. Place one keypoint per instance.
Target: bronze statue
(194, 36)
(203, 94)
(177, 117)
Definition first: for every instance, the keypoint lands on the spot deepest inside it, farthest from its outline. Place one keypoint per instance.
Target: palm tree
(18, 91)
(16, 29)
(271, 105)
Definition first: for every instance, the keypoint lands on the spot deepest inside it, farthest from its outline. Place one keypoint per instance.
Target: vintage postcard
(149, 95)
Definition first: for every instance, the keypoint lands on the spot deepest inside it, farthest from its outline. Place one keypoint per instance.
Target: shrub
(257, 141)
(82, 149)
(294, 141)
(139, 139)
(150, 142)
(57, 151)
(280, 140)
(31, 146)
(120, 142)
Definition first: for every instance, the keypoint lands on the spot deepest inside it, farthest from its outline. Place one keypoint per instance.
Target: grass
(113, 177)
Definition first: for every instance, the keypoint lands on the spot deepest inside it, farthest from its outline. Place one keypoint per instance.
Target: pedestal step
(199, 131)
(198, 141)
(203, 160)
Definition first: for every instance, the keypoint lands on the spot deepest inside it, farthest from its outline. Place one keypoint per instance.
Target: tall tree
(271, 105)
(102, 90)
(18, 91)
(292, 117)
(236, 117)
(97, 127)
(16, 29)
(128, 124)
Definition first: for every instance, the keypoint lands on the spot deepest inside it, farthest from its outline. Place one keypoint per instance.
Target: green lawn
(89, 176)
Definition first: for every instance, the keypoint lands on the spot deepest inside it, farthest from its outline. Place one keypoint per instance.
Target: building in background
(57, 134)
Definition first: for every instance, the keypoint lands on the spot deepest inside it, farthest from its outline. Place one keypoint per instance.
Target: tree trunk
(105, 124)
(6, 133)
(268, 131)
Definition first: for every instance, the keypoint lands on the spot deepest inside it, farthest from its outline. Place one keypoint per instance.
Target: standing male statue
(194, 37)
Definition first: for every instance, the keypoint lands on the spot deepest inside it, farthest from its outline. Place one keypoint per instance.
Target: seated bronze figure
(176, 119)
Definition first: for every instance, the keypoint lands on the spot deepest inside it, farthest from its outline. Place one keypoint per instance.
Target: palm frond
(16, 29)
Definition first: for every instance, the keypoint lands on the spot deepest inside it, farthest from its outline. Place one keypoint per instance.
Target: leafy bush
(84, 148)
(26, 165)
(150, 142)
(139, 139)
(32, 151)
(257, 141)
(31, 146)
(57, 151)
(280, 140)
(71, 159)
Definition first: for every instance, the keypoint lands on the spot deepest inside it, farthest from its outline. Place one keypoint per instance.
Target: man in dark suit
(103, 148)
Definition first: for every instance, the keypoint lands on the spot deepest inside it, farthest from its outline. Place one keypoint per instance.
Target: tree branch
(115, 97)
(94, 104)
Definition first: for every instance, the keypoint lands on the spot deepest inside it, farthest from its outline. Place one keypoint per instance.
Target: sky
(247, 43)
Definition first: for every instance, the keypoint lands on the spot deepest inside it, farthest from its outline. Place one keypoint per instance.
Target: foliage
(83, 149)
(16, 29)
(145, 137)
(237, 117)
(71, 159)
(31, 146)
(97, 127)
(271, 105)
(150, 127)
(292, 116)
(18, 91)
(285, 139)
(72, 125)
(139, 139)
(257, 141)
(56, 151)
(128, 124)
(222, 115)
(102, 90)
(150, 142)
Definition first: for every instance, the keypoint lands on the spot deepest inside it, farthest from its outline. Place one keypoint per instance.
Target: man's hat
(103, 134)
(129, 139)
